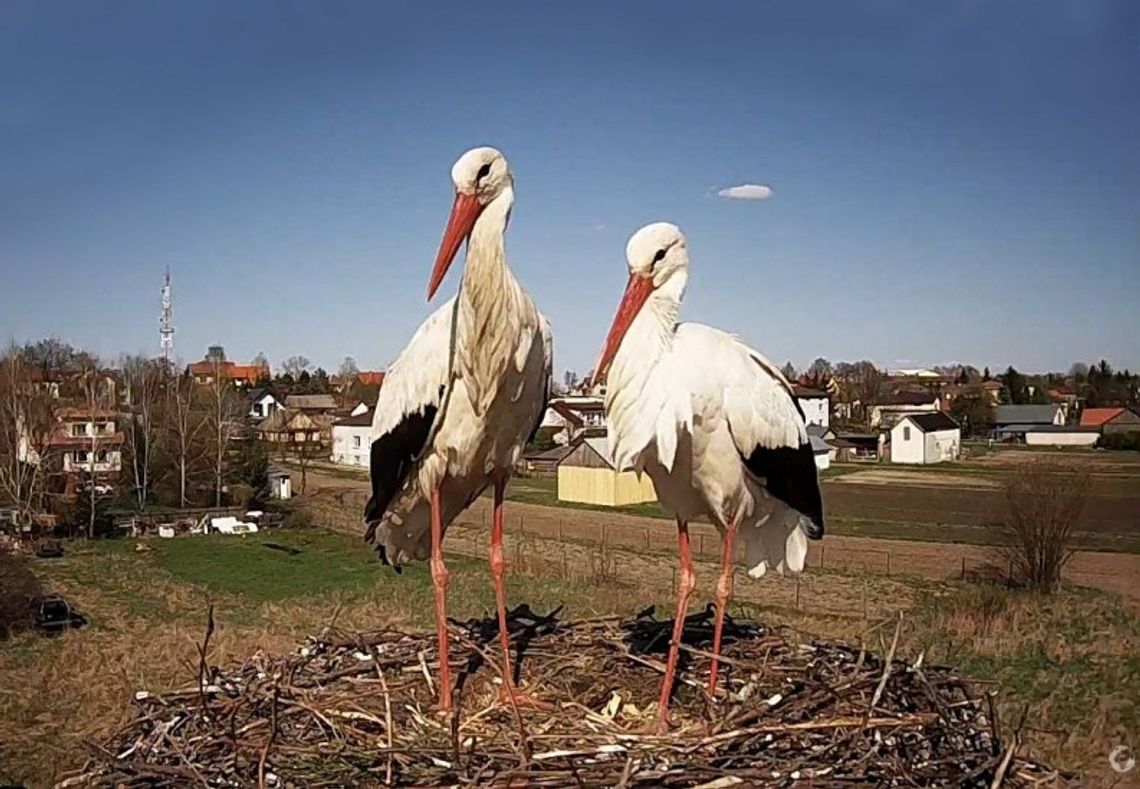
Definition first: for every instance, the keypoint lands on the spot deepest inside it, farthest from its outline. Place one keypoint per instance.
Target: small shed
(587, 475)
(544, 463)
(925, 438)
(822, 452)
(280, 485)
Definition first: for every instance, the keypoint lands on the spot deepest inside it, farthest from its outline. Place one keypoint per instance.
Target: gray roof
(932, 421)
(311, 401)
(1047, 429)
(818, 445)
(1025, 414)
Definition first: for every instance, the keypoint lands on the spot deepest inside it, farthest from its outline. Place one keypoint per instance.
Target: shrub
(1120, 441)
(1042, 503)
(19, 587)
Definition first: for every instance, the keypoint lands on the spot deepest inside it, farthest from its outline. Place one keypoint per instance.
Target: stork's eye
(659, 256)
(484, 171)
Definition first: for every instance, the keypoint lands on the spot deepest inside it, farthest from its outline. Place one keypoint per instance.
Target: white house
(570, 415)
(815, 404)
(262, 404)
(925, 438)
(903, 403)
(351, 440)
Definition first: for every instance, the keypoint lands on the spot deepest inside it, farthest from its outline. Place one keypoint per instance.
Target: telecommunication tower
(165, 321)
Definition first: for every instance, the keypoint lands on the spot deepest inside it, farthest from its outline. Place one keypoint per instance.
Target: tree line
(182, 443)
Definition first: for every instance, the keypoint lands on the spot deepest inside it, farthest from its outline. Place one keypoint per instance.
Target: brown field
(911, 511)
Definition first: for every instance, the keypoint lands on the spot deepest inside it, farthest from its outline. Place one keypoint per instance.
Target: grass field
(1071, 661)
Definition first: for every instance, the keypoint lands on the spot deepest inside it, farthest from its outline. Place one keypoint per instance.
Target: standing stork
(462, 400)
(713, 423)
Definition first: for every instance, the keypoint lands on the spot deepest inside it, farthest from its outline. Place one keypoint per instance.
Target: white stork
(462, 400)
(713, 423)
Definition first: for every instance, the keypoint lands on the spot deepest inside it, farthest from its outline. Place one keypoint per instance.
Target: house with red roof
(1111, 420)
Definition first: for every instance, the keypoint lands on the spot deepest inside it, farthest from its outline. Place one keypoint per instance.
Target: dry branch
(353, 709)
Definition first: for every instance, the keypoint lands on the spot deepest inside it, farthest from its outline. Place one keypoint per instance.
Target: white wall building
(1061, 436)
(925, 438)
(815, 404)
(352, 440)
(262, 404)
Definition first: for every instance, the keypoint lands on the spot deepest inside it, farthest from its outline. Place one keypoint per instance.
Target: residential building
(923, 438)
(1012, 422)
(1111, 420)
(215, 365)
(262, 403)
(290, 428)
(815, 404)
(567, 417)
(587, 474)
(352, 440)
(85, 440)
(904, 402)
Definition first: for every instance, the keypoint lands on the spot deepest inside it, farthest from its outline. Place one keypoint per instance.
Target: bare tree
(26, 424)
(295, 365)
(348, 370)
(224, 417)
(145, 381)
(96, 405)
(1042, 503)
(186, 423)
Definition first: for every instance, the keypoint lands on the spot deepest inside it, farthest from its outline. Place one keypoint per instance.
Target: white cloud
(746, 192)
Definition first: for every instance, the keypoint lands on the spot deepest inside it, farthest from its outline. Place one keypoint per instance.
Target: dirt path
(338, 502)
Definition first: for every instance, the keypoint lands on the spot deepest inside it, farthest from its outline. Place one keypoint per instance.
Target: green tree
(973, 411)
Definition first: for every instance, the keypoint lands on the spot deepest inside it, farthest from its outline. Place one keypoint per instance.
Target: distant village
(80, 439)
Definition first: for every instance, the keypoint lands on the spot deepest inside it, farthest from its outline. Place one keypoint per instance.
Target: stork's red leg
(497, 575)
(497, 566)
(439, 577)
(723, 593)
(686, 582)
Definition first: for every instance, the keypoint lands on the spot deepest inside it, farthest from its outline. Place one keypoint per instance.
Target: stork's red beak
(463, 215)
(634, 298)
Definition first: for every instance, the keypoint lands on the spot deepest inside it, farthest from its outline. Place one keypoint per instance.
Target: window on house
(356, 442)
(81, 457)
(101, 456)
(906, 433)
(78, 430)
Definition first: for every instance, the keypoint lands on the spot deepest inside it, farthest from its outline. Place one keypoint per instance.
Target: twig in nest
(203, 651)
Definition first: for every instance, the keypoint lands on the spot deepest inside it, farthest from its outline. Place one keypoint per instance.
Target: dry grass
(1072, 659)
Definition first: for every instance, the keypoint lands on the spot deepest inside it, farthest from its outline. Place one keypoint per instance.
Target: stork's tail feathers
(778, 542)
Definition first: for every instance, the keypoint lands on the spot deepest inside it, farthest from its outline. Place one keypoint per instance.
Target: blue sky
(954, 181)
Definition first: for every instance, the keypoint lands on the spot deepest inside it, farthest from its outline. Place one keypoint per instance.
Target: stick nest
(358, 709)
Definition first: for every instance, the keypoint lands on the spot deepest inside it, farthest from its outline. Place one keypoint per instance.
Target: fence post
(888, 562)
(797, 592)
(603, 535)
(822, 548)
(963, 568)
(647, 539)
(559, 530)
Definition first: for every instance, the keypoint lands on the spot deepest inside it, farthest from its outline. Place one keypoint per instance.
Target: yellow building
(587, 475)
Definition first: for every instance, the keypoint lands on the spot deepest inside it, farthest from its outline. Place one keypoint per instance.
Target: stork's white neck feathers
(489, 324)
(643, 403)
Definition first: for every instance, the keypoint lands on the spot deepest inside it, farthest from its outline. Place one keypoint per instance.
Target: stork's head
(658, 261)
(480, 175)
